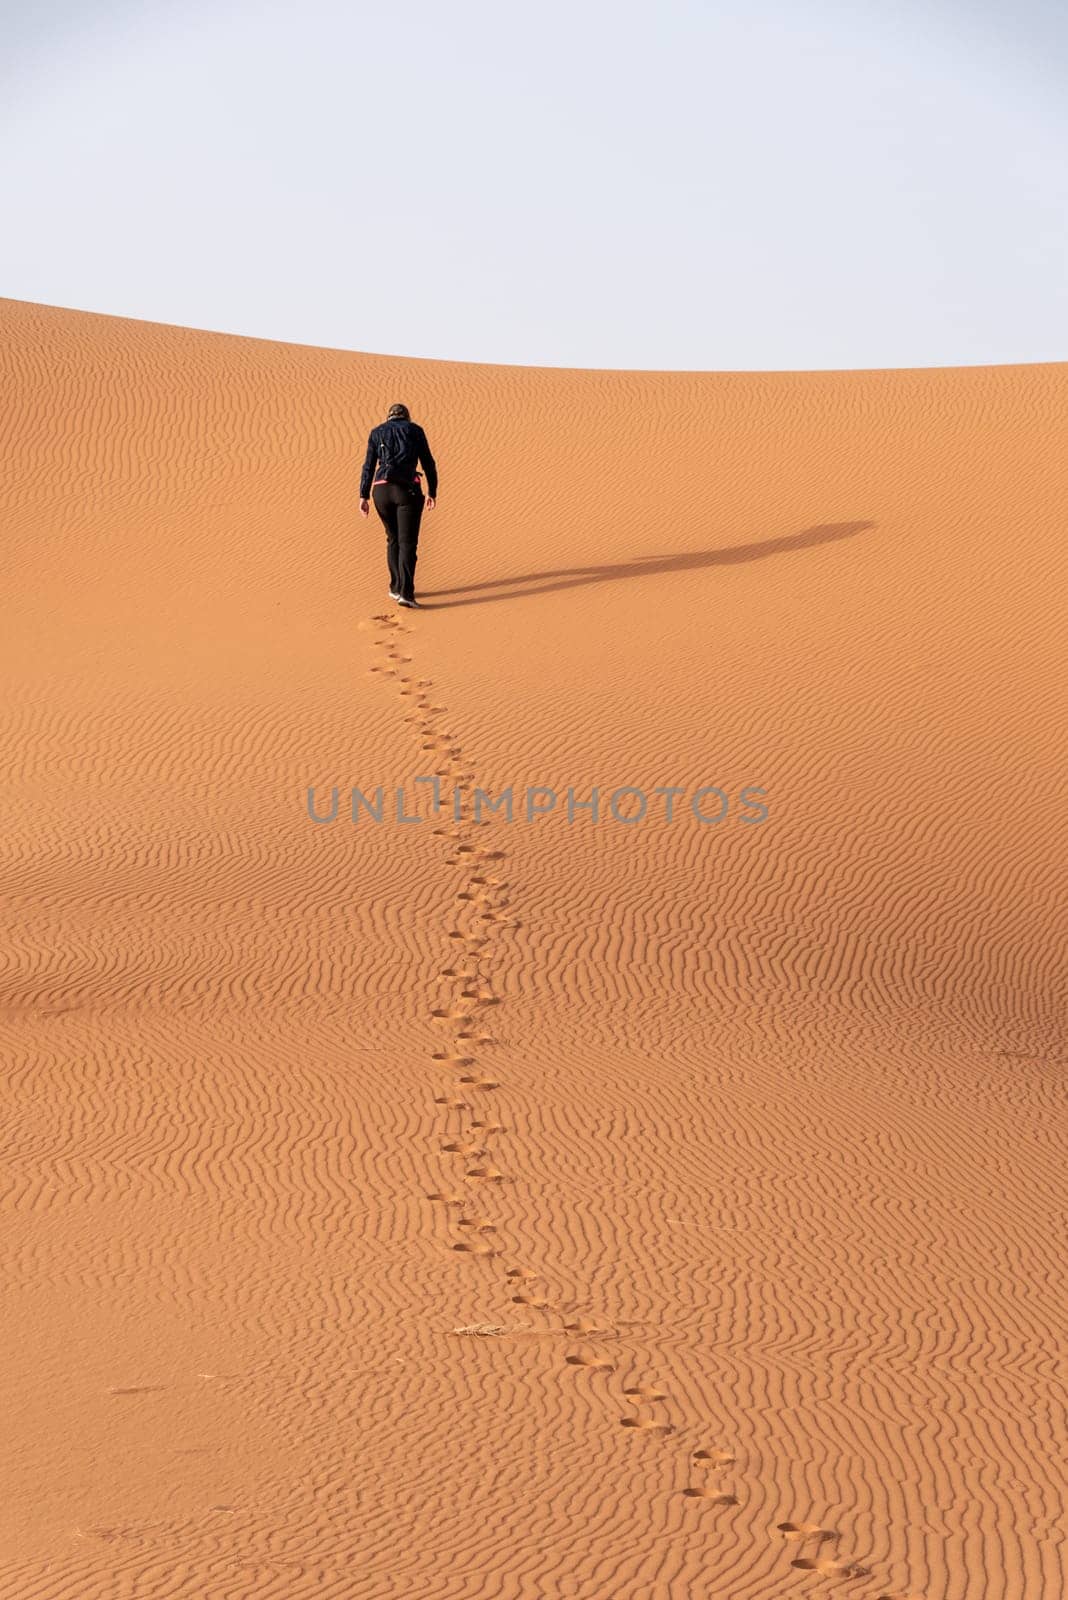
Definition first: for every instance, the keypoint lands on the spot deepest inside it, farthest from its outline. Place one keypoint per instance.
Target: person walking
(394, 450)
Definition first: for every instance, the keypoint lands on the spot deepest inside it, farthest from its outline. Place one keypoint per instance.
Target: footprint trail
(479, 1153)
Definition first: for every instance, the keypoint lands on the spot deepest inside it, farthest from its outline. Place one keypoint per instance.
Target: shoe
(393, 595)
(412, 604)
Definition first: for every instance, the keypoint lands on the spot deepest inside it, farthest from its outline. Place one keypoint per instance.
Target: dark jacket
(397, 447)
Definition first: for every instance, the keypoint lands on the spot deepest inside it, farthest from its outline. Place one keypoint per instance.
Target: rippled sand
(549, 1210)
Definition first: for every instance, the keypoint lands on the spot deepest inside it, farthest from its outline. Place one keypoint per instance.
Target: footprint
(587, 1325)
(474, 1247)
(717, 1460)
(478, 1224)
(452, 1102)
(803, 1532)
(446, 1199)
(521, 1272)
(485, 1174)
(463, 1147)
(143, 1388)
(698, 1492)
(640, 1392)
(831, 1569)
(647, 1425)
(535, 1302)
(450, 1056)
(590, 1363)
(481, 1083)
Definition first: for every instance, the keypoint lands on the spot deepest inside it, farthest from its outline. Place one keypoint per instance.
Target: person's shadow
(686, 561)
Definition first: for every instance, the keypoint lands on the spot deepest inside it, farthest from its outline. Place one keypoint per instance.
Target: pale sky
(684, 184)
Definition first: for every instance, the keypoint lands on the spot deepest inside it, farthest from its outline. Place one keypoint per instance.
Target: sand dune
(538, 1210)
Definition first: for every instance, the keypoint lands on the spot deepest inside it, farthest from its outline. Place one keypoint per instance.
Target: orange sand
(773, 1264)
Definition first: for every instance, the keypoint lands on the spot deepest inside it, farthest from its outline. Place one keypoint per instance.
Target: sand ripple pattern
(540, 1212)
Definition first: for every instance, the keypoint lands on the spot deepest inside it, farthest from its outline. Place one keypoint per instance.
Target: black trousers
(401, 510)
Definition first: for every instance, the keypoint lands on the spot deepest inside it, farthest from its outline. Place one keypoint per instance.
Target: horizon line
(533, 366)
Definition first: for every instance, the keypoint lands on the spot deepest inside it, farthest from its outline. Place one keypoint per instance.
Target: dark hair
(398, 413)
